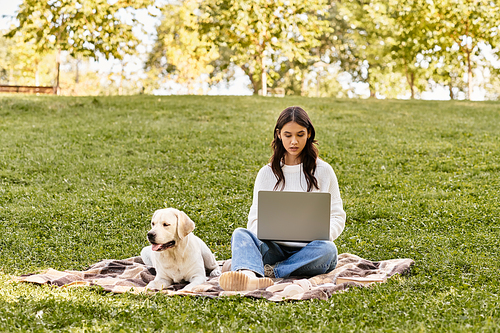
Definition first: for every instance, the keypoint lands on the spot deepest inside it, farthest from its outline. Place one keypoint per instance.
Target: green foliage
(21, 64)
(357, 43)
(84, 28)
(383, 43)
(466, 24)
(255, 31)
(80, 178)
(396, 48)
(87, 27)
(6, 59)
(181, 52)
(411, 32)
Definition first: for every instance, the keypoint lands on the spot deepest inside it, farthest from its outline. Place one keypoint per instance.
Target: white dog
(176, 253)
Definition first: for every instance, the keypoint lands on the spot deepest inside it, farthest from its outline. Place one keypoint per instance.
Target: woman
(294, 166)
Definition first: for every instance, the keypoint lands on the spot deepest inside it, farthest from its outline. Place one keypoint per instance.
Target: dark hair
(308, 155)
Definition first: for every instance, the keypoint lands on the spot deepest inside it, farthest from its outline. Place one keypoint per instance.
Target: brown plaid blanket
(131, 275)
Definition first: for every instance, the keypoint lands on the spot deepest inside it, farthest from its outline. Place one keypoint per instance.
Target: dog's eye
(166, 224)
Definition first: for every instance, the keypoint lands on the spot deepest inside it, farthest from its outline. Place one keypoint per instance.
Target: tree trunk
(303, 86)
(410, 78)
(77, 74)
(120, 86)
(58, 67)
(318, 92)
(264, 75)
(469, 72)
(373, 92)
(412, 85)
(452, 96)
(37, 75)
(255, 84)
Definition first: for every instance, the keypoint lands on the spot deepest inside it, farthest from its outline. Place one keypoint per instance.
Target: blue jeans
(249, 252)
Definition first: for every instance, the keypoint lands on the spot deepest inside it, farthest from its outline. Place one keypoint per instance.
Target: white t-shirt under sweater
(296, 181)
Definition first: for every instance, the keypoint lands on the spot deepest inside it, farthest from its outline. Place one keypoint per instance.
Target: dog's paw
(157, 285)
(152, 286)
(215, 272)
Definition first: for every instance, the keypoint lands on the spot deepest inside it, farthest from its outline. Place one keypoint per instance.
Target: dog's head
(168, 226)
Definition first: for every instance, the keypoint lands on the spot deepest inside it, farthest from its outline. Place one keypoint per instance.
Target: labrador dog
(177, 254)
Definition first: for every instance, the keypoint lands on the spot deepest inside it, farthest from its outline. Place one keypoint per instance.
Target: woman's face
(294, 138)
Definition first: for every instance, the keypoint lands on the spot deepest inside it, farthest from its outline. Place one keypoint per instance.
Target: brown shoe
(242, 281)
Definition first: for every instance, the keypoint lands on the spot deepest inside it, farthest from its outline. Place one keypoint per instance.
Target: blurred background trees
(349, 48)
(83, 29)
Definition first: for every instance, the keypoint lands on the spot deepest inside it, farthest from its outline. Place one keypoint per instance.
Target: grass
(80, 178)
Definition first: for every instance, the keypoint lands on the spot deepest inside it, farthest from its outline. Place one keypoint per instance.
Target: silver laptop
(293, 216)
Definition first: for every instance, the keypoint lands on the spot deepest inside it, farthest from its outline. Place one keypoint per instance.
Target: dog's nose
(151, 237)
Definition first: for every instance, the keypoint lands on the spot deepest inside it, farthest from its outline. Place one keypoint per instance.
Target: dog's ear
(184, 224)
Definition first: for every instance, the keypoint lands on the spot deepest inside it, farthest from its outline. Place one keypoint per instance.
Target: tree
(180, 51)
(262, 33)
(347, 44)
(448, 68)
(493, 84)
(467, 23)
(411, 40)
(302, 75)
(6, 60)
(86, 28)
(21, 65)
(358, 42)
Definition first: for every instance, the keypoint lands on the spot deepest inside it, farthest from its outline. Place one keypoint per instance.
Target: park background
(80, 176)
(443, 49)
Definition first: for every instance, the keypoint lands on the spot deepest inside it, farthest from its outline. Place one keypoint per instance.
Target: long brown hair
(308, 155)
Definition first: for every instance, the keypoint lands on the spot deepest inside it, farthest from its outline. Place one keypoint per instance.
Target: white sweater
(296, 181)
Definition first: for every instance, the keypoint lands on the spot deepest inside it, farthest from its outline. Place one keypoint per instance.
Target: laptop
(293, 216)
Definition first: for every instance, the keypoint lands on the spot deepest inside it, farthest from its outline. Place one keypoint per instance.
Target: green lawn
(81, 177)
